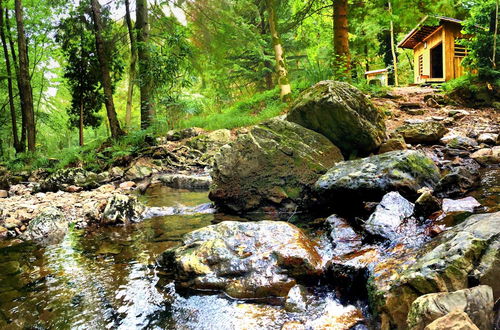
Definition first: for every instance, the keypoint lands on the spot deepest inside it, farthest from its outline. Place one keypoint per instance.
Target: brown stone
(455, 320)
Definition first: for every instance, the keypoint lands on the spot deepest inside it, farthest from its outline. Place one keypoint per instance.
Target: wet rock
(459, 179)
(127, 185)
(487, 156)
(392, 144)
(4, 194)
(369, 179)
(271, 168)
(180, 181)
(116, 173)
(466, 254)
(343, 236)
(9, 267)
(62, 179)
(476, 302)
(457, 113)
(122, 209)
(425, 132)
(389, 216)
(47, 227)
(468, 204)
(296, 300)
(426, 204)
(243, 259)
(488, 138)
(343, 114)
(455, 320)
(152, 212)
(335, 316)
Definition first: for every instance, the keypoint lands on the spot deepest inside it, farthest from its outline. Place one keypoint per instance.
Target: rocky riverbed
(333, 216)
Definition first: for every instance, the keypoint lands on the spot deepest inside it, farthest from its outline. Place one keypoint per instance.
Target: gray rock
(243, 259)
(389, 216)
(467, 204)
(344, 238)
(47, 227)
(343, 114)
(461, 142)
(476, 302)
(180, 181)
(459, 179)
(426, 132)
(122, 209)
(62, 179)
(271, 168)
(370, 178)
(487, 156)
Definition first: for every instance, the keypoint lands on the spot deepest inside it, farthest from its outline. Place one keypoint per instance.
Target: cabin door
(437, 61)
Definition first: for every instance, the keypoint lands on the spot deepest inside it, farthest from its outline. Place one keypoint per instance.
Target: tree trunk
(264, 31)
(114, 124)
(393, 48)
(133, 61)
(22, 142)
(146, 84)
(281, 69)
(495, 35)
(25, 90)
(13, 116)
(341, 33)
(81, 124)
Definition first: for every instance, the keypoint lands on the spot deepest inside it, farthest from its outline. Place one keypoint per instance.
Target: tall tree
(103, 57)
(143, 52)
(15, 136)
(281, 69)
(132, 65)
(393, 45)
(25, 90)
(341, 33)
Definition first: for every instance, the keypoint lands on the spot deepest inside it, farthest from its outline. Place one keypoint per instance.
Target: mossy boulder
(243, 259)
(62, 179)
(122, 209)
(271, 168)
(47, 227)
(462, 257)
(343, 114)
(368, 179)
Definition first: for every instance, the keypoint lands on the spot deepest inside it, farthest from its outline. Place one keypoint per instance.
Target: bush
(473, 91)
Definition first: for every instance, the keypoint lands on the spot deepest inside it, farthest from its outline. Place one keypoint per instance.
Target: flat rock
(467, 204)
(425, 132)
(487, 156)
(181, 181)
(244, 259)
(488, 138)
(455, 320)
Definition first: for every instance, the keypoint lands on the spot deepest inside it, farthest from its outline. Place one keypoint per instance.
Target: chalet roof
(421, 31)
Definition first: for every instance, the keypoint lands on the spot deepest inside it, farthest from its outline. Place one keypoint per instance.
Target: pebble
(4, 194)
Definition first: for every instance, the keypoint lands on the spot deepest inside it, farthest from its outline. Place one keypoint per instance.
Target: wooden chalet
(437, 55)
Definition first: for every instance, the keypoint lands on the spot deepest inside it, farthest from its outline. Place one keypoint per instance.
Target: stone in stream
(467, 254)
(121, 209)
(296, 300)
(426, 204)
(343, 114)
(424, 132)
(343, 236)
(47, 227)
(141, 168)
(488, 138)
(455, 320)
(467, 204)
(244, 259)
(368, 179)
(476, 302)
(389, 215)
(271, 168)
(458, 179)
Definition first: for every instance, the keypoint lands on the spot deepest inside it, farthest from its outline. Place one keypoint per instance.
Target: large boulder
(477, 302)
(422, 132)
(243, 259)
(368, 179)
(467, 254)
(455, 320)
(271, 168)
(122, 209)
(343, 114)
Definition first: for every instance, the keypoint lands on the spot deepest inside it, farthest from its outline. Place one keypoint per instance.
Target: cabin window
(420, 64)
(460, 51)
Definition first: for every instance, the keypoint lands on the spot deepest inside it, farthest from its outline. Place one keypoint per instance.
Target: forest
(250, 164)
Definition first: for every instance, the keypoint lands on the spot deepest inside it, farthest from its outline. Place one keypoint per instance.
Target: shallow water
(106, 279)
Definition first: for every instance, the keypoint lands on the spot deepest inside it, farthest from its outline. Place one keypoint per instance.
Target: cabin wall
(452, 64)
